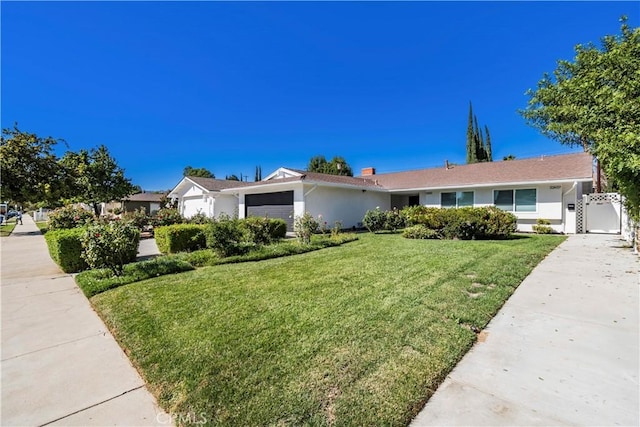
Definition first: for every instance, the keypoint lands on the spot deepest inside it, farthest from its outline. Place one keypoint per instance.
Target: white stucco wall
(342, 204)
(193, 199)
(225, 204)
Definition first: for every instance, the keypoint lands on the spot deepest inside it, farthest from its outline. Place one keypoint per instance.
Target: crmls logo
(182, 418)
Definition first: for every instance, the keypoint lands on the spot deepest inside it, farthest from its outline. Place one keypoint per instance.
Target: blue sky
(232, 85)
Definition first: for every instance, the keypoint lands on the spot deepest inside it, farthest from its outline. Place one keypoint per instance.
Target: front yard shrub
(200, 218)
(277, 228)
(464, 223)
(374, 220)
(257, 229)
(65, 248)
(180, 238)
(138, 218)
(69, 217)
(542, 226)
(226, 237)
(305, 226)
(420, 232)
(377, 220)
(167, 216)
(110, 245)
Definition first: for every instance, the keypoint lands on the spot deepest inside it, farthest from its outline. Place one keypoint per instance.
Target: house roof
(145, 197)
(566, 167)
(212, 184)
(316, 178)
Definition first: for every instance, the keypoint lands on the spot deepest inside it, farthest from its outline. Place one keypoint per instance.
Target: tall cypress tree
(478, 148)
(488, 146)
(471, 142)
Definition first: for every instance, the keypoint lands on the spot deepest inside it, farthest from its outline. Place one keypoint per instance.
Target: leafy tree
(477, 149)
(258, 176)
(509, 157)
(594, 102)
(29, 169)
(198, 172)
(337, 166)
(232, 177)
(317, 164)
(96, 177)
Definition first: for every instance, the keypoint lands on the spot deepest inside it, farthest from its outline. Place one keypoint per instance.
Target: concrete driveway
(563, 350)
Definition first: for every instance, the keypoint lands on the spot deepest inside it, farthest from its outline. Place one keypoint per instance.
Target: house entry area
(271, 205)
(400, 201)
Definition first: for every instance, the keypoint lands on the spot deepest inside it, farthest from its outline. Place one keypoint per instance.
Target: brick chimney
(368, 171)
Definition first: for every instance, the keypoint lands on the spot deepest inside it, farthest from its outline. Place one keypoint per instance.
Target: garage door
(271, 205)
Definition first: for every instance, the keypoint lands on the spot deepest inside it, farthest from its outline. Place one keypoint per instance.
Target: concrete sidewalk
(60, 365)
(562, 351)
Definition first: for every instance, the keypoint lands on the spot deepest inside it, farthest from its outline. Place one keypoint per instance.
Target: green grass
(93, 282)
(43, 226)
(7, 227)
(360, 334)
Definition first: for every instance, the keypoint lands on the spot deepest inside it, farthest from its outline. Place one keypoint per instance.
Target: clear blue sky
(232, 85)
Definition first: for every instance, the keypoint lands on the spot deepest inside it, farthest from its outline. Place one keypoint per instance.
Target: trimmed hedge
(463, 223)
(180, 238)
(65, 248)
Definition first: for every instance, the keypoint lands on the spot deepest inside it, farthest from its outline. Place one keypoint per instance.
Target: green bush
(257, 229)
(377, 220)
(420, 232)
(226, 237)
(110, 245)
(374, 220)
(138, 217)
(464, 223)
(167, 216)
(542, 226)
(277, 228)
(65, 248)
(69, 217)
(180, 238)
(305, 226)
(200, 218)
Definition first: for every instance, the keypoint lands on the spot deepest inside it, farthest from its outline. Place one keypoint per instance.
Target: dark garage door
(271, 205)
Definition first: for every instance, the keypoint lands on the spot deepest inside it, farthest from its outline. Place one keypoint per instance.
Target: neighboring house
(548, 187)
(151, 202)
(203, 195)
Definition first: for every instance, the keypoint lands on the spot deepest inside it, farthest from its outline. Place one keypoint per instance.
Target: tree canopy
(29, 169)
(594, 102)
(337, 166)
(96, 177)
(199, 172)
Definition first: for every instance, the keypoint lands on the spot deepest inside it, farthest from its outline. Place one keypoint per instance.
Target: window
(503, 199)
(448, 200)
(526, 200)
(459, 199)
(516, 200)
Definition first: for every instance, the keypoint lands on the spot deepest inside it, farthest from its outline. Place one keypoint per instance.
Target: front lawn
(7, 227)
(355, 335)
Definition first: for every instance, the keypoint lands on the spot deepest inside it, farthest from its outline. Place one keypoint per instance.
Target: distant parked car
(12, 213)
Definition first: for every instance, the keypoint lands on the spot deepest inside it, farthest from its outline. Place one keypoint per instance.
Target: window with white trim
(521, 200)
(456, 199)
